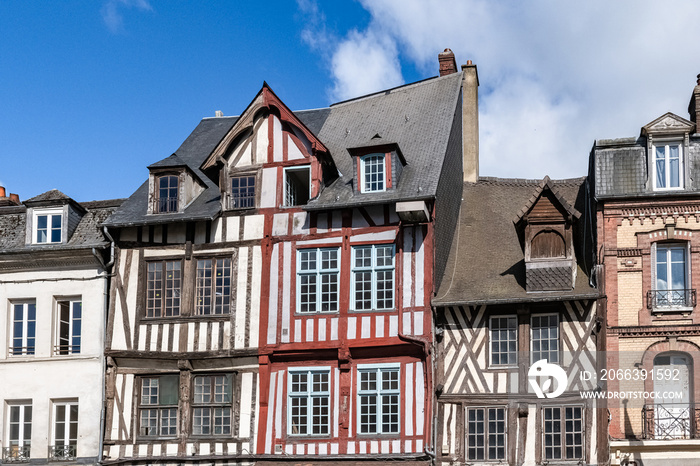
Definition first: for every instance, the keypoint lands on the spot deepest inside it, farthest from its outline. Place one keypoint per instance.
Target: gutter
(107, 268)
(529, 299)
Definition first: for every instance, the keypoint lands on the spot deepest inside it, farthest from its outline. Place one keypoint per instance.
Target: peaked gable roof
(548, 185)
(668, 123)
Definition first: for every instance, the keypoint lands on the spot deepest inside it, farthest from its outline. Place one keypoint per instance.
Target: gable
(667, 124)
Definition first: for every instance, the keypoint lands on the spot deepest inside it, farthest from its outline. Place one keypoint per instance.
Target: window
(378, 400)
(19, 433)
(504, 341)
(65, 431)
(163, 286)
(671, 272)
(23, 328)
(668, 165)
(158, 406)
(317, 280)
(48, 225)
(213, 287)
(545, 338)
(486, 434)
(547, 245)
(211, 413)
(373, 277)
(69, 327)
(309, 402)
(243, 192)
(167, 194)
(372, 173)
(563, 433)
(297, 186)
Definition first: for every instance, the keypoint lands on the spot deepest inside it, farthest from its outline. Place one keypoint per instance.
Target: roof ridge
(391, 89)
(527, 181)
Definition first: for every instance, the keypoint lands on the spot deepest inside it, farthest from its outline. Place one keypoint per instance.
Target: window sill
(205, 317)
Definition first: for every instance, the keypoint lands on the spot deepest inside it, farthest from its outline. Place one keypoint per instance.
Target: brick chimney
(694, 105)
(470, 122)
(448, 65)
(12, 200)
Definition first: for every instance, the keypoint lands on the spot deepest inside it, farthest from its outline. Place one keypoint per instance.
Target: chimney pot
(2, 191)
(448, 65)
(694, 105)
(219, 113)
(469, 62)
(14, 198)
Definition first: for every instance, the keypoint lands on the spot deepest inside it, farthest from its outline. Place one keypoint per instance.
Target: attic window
(297, 185)
(167, 194)
(373, 173)
(548, 245)
(48, 226)
(668, 164)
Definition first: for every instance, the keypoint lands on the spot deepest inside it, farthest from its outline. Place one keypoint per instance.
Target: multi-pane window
(562, 433)
(211, 412)
(504, 340)
(19, 432)
(486, 434)
(545, 338)
(297, 185)
(372, 173)
(167, 194)
(48, 226)
(163, 287)
(23, 339)
(668, 165)
(70, 316)
(309, 402)
(317, 280)
(378, 400)
(242, 192)
(671, 276)
(158, 406)
(65, 430)
(373, 277)
(213, 286)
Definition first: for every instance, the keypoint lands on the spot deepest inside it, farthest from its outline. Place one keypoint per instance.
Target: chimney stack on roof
(448, 65)
(470, 122)
(12, 200)
(219, 114)
(694, 105)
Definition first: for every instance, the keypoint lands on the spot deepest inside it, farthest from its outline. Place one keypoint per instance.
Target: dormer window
(48, 226)
(243, 192)
(297, 185)
(373, 173)
(167, 200)
(668, 164)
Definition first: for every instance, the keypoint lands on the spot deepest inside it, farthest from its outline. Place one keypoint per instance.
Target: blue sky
(91, 92)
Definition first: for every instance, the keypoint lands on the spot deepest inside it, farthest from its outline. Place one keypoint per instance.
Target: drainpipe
(107, 269)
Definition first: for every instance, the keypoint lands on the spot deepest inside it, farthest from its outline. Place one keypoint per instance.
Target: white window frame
(70, 445)
(534, 358)
(685, 246)
(319, 272)
(309, 394)
(26, 339)
(380, 393)
(373, 269)
(666, 143)
(486, 433)
(491, 341)
(216, 287)
(75, 326)
(563, 433)
(286, 197)
(24, 440)
(365, 160)
(49, 214)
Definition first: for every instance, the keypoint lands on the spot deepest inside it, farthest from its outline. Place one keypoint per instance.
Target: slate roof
(87, 234)
(52, 195)
(418, 117)
(486, 262)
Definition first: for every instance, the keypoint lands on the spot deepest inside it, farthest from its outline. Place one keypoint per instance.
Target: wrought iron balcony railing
(671, 299)
(62, 452)
(166, 204)
(671, 421)
(66, 349)
(15, 454)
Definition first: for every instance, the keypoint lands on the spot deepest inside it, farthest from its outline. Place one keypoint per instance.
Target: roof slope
(486, 262)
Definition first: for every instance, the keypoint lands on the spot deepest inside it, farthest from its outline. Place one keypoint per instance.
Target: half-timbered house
(516, 291)
(648, 223)
(54, 275)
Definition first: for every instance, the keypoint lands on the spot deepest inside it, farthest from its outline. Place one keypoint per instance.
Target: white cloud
(554, 75)
(112, 12)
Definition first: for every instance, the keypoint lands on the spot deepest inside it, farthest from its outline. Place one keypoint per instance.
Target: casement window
(486, 434)
(211, 405)
(213, 287)
(318, 272)
(373, 173)
(65, 431)
(308, 410)
(378, 395)
(544, 338)
(297, 185)
(48, 225)
(503, 332)
(373, 277)
(242, 192)
(23, 339)
(163, 286)
(167, 199)
(562, 432)
(671, 270)
(19, 433)
(69, 328)
(158, 406)
(668, 165)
